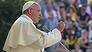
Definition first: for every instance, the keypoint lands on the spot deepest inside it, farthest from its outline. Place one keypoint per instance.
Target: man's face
(36, 13)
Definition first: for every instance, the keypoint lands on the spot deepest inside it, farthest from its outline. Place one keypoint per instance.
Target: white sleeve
(47, 39)
(53, 37)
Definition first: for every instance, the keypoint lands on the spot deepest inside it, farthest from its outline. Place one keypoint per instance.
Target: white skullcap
(27, 5)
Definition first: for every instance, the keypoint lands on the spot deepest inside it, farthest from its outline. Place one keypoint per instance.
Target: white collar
(23, 15)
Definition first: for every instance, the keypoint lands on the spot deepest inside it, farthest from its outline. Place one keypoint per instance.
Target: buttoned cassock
(25, 37)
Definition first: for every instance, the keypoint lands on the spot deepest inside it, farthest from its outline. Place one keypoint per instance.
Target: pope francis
(25, 37)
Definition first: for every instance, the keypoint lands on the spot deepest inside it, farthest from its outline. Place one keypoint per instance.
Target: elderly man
(25, 37)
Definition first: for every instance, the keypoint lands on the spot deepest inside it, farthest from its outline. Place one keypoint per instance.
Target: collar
(28, 18)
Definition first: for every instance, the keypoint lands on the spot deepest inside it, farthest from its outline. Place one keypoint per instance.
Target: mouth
(39, 18)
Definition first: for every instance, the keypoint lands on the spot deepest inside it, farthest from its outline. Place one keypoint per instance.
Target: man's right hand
(61, 26)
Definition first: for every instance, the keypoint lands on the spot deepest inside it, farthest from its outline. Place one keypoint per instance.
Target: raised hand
(61, 26)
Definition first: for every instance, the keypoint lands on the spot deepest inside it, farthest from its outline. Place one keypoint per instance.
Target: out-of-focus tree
(33, 0)
(10, 10)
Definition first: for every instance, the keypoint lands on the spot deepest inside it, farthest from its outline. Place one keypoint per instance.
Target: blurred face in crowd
(58, 2)
(72, 9)
(46, 1)
(52, 0)
(73, 1)
(61, 10)
(35, 11)
(70, 1)
(50, 15)
(83, 9)
(71, 37)
(49, 8)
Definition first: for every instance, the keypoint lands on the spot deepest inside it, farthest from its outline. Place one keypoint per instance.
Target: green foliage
(33, 0)
(10, 10)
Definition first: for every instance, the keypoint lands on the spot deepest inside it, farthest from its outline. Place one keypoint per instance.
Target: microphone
(45, 27)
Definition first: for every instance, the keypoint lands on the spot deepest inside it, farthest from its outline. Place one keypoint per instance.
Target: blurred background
(77, 15)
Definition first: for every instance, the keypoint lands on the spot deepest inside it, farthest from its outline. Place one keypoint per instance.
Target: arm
(67, 45)
(47, 39)
(87, 18)
(78, 19)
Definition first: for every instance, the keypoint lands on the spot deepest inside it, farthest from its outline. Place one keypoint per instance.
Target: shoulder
(21, 21)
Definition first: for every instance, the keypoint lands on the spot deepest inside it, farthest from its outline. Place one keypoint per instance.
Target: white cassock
(25, 37)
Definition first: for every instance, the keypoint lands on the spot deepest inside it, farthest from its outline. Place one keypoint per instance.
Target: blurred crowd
(77, 15)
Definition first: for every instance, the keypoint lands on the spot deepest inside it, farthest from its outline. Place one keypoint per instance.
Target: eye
(38, 10)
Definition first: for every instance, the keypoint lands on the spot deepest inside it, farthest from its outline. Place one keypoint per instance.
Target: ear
(29, 11)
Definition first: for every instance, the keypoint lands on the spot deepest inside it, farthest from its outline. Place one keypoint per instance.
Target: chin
(36, 22)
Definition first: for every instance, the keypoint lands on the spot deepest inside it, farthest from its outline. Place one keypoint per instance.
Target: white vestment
(25, 37)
